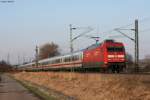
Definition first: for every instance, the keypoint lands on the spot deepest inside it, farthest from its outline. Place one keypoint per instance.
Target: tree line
(4, 66)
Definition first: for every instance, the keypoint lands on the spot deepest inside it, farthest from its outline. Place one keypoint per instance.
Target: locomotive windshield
(115, 49)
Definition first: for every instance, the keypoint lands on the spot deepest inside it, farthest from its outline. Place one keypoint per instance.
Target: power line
(119, 36)
(144, 19)
(145, 30)
(124, 26)
(118, 30)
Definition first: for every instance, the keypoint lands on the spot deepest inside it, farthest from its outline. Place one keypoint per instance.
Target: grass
(35, 90)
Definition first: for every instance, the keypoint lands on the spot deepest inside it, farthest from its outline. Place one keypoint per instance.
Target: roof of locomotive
(99, 44)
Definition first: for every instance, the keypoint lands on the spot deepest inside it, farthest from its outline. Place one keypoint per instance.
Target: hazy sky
(27, 23)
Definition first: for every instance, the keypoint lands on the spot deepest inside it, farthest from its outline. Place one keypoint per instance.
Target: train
(107, 56)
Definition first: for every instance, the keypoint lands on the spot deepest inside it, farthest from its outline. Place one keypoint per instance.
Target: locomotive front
(115, 56)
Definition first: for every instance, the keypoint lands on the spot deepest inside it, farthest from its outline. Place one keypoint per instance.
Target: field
(86, 86)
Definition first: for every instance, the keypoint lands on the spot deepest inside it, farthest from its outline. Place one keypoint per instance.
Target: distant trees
(4, 66)
(129, 62)
(48, 50)
(147, 61)
(129, 58)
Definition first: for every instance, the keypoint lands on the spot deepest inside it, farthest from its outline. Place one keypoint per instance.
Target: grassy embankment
(92, 86)
(36, 90)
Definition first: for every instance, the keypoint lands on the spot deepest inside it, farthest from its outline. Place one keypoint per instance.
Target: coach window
(78, 57)
(61, 60)
(44, 63)
(73, 58)
(69, 59)
(66, 59)
(53, 61)
(57, 60)
(33, 64)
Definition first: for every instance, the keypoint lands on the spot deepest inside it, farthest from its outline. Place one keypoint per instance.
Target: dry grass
(92, 86)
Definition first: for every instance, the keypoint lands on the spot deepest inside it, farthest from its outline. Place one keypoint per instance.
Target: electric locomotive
(108, 56)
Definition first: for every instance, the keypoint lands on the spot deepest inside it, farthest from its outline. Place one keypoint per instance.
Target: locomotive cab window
(115, 49)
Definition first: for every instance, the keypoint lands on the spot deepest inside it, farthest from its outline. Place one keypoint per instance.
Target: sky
(27, 23)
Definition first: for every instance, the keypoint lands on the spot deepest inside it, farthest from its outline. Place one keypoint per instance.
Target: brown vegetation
(92, 86)
(48, 50)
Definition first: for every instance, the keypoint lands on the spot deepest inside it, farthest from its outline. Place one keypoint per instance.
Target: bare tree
(147, 59)
(48, 50)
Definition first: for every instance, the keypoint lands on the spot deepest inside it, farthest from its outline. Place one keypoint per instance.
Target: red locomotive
(107, 56)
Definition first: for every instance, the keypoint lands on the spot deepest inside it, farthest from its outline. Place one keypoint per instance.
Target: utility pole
(8, 57)
(23, 58)
(136, 41)
(71, 45)
(18, 60)
(71, 39)
(36, 56)
(136, 46)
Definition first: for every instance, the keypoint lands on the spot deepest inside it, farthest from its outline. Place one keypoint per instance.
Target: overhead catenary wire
(125, 26)
(145, 30)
